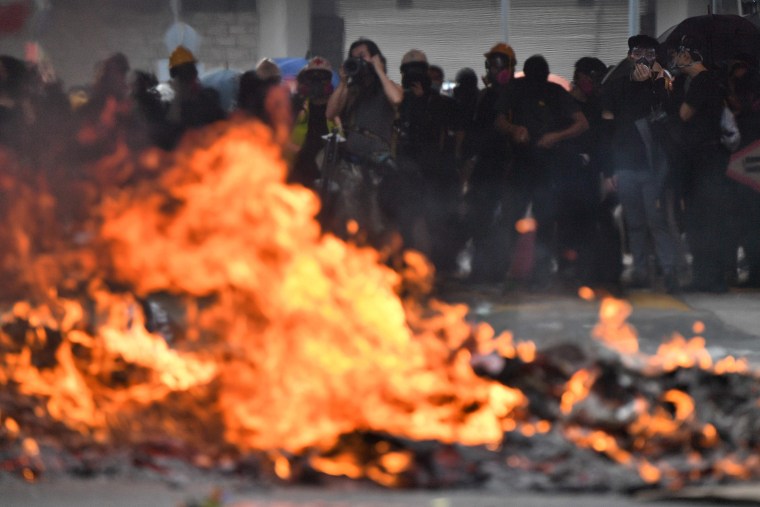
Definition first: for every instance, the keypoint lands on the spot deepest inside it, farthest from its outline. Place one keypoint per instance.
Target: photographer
(633, 95)
(365, 101)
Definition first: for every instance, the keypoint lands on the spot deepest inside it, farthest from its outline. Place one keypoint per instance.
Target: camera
(355, 66)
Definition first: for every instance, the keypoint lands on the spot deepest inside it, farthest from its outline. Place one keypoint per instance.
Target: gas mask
(586, 85)
(644, 56)
(499, 68)
(315, 89)
(415, 72)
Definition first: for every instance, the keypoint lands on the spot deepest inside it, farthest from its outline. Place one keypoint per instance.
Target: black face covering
(408, 80)
(415, 72)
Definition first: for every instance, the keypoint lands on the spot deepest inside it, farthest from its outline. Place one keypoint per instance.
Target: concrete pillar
(634, 26)
(284, 28)
(504, 20)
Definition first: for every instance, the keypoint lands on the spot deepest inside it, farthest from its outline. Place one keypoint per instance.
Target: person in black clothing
(193, 105)
(633, 96)
(426, 119)
(705, 187)
(744, 100)
(485, 172)
(13, 84)
(590, 250)
(465, 96)
(540, 117)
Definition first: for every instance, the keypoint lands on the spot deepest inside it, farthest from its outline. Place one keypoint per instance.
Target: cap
(590, 65)
(180, 56)
(502, 48)
(642, 41)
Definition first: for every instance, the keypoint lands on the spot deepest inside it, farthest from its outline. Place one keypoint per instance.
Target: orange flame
(613, 330)
(293, 338)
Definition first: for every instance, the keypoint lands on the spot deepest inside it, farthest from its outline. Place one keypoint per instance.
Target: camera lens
(353, 66)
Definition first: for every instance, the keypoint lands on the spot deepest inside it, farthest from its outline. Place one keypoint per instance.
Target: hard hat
(180, 56)
(317, 65)
(502, 48)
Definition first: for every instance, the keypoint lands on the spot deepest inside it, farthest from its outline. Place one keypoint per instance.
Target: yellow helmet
(180, 56)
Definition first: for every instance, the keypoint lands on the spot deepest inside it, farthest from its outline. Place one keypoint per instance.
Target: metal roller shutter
(455, 34)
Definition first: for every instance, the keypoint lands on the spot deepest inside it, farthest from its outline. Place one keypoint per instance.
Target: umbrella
(722, 36)
(224, 81)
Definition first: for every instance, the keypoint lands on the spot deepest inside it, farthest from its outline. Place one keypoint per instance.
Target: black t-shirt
(540, 107)
(705, 94)
(630, 101)
(427, 120)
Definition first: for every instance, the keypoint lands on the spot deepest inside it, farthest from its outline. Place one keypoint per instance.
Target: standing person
(487, 171)
(465, 96)
(437, 77)
(744, 100)
(633, 95)
(365, 100)
(588, 236)
(426, 119)
(540, 117)
(311, 125)
(191, 105)
(706, 189)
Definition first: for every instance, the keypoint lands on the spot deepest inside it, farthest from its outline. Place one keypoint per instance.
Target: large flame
(291, 337)
(287, 339)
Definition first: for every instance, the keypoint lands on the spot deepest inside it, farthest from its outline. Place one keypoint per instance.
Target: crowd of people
(542, 186)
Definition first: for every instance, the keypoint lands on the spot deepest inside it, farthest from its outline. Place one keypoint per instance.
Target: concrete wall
(81, 32)
(285, 27)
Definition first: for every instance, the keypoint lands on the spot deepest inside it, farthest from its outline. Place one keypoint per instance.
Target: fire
(289, 340)
(577, 389)
(613, 328)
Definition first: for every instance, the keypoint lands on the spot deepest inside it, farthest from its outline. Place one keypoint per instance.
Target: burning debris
(195, 315)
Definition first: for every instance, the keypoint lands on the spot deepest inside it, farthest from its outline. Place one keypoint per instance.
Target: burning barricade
(196, 314)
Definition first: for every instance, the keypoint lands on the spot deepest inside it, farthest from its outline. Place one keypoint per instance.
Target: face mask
(645, 61)
(315, 89)
(504, 76)
(414, 76)
(586, 86)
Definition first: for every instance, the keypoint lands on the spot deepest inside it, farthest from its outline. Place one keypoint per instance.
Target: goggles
(498, 62)
(695, 55)
(648, 53)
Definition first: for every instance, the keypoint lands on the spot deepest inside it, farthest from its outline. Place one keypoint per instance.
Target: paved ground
(732, 320)
(732, 326)
(140, 493)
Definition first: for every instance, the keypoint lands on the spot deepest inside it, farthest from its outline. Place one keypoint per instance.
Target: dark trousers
(708, 194)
